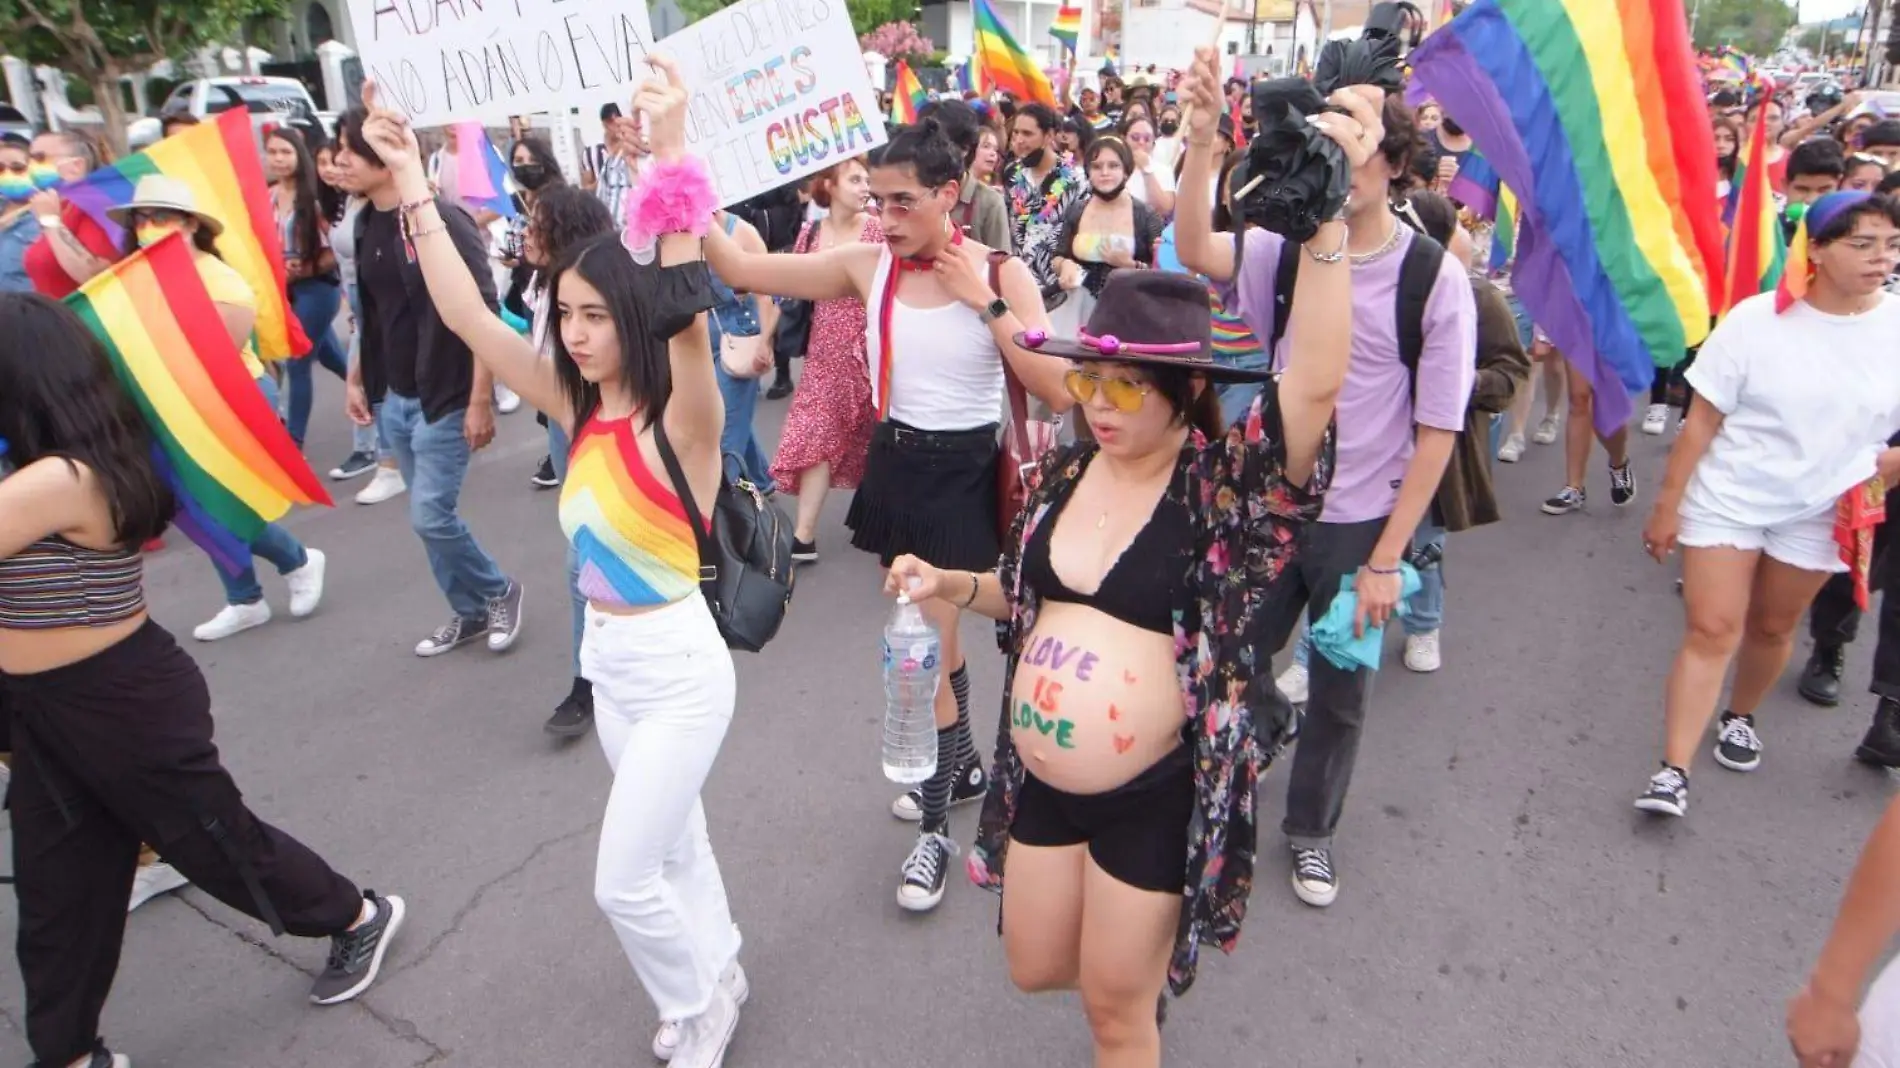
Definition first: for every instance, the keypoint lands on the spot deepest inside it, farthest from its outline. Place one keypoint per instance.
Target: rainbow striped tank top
(628, 528)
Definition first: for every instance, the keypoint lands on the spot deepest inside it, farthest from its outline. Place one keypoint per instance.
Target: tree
(99, 41)
(898, 40)
(1754, 26)
(867, 15)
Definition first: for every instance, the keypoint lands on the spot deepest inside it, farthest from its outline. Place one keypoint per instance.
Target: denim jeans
(1426, 608)
(1237, 397)
(741, 396)
(557, 452)
(315, 304)
(274, 543)
(433, 459)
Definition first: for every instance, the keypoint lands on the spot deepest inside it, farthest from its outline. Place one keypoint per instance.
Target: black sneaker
(1314, 881)
(924, 872)
(575, 714)
(1821, 679)
(1737, 746)
(1622, 485)
(970, 785)
(353, 465)
(504, 618)
(1668, 793)
(781, 388)
(1569, 499)
(804, 552)
(356, 956)
(544, 475)
(1881, 746)
(452, 635)
(101, 1058)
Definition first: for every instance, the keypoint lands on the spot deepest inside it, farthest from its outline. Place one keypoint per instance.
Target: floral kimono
(1230, 612)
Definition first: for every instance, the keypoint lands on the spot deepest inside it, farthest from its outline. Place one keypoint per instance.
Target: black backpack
(745, 560)
(1417, 274)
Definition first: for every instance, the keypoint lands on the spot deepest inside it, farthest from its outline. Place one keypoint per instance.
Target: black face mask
(1111, 195)
(1034, 159)
(1169, 127)
(530, 175)
(1446, 124)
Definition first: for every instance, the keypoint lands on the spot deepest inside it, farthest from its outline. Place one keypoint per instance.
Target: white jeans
(663, 697)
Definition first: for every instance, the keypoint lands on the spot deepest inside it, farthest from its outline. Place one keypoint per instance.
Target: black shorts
(931, 494)
(1137, 832)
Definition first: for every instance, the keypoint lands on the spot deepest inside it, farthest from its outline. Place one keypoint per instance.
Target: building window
(318, 26)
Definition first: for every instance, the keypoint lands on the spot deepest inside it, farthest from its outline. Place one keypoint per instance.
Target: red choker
(907, 263)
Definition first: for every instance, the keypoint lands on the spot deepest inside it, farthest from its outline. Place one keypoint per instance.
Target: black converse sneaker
(1737, 746)
(1313, 878)
(924, 872)
(1622, 485)
(1569, 499)
(970, 785)
(1668, 793)
(357, 955)
(804, 552)
(452, 635)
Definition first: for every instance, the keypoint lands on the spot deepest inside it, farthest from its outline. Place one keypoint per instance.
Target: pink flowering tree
(898, 40)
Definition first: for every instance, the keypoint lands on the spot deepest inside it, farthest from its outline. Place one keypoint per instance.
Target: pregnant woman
(1138, 588)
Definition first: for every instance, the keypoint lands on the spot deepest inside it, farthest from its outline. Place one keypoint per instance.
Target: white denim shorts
(1804, 543)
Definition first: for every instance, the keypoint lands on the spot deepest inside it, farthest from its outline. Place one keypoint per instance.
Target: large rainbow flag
(1002, 64)
(219, 161)
(908, 97)
(1756, 251)
(229, 460)
(1591, 111)
(1067, 26)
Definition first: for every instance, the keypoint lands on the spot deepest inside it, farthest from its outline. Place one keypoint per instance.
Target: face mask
(1169, 127)
(530, 175)
(1034, 159)
(151, 233)
(1110, 194)
(15, 187)
(44, 175)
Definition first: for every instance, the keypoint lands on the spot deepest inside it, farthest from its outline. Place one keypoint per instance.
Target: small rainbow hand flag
(482, 176)
(1003, 62)
(1756, 254)
(219, 161)
(1504, 234)
(908, 98)
(1068, 26)
(229, 460)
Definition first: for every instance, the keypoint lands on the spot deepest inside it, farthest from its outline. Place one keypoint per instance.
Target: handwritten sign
(778, 92)
(445, 61)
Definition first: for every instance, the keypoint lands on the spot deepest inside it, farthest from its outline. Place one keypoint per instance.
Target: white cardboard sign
(445, 61)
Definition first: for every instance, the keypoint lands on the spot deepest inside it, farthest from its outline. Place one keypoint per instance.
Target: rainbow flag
(907, 97)
(1067, 27)
(1756, 253)
(219, 161)
(1619, 241)
(1504, 233)
(1476, 185)
(482, 176)
(229, 460)
(1002, 64)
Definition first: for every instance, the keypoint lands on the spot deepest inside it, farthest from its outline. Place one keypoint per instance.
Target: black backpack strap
(1418, 272)
(708, 572)
(1287, 273)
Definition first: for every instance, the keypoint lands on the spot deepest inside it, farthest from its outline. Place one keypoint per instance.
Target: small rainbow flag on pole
(1504, 233)
(229, 460)
(1068, 26)
(908, 97)
(481, 174)
(1003, 63)
(219, 161)
(1756, 253)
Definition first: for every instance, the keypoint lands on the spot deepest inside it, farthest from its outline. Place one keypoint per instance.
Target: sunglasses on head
(1125, 395)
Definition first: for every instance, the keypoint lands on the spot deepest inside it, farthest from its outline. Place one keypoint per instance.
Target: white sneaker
(154, 879)
(704, 1038)
(1512, 450)
(1421, 651)
(306, 584)
(666, 1041)
(1314, 880)
(506, 400)
(386, 483)
(1293, 683)
(233, 619)
(1656, 419)
(1547, 429)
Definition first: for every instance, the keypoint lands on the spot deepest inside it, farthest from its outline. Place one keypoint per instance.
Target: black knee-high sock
(936, 789)
(963, 749)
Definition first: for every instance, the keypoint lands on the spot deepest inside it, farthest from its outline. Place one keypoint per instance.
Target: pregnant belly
(1095, 701)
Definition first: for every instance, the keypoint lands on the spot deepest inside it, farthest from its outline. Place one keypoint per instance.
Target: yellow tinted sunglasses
(1124, 395)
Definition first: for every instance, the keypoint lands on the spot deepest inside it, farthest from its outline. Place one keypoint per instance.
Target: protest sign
(445, 61)
(778, 92)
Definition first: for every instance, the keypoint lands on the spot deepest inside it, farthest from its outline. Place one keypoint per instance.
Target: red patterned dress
(831, 416)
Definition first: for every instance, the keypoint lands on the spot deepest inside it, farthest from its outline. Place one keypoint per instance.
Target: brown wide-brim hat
(1151, 319)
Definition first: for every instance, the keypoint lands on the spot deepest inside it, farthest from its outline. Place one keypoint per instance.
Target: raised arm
(1821, 1024)
(447, 270)
(825, 275)
(1195, 242)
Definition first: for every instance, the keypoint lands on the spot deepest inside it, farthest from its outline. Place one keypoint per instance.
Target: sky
(1822, 10)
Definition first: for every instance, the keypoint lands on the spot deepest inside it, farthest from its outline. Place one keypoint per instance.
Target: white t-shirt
(1164, 177)
(1808, 402)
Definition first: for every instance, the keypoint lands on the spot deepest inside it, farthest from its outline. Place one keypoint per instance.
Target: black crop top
(1138, 588)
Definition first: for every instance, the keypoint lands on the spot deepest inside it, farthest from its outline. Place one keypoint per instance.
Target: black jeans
(1336, 699)
(1834, 619)
(109, 752)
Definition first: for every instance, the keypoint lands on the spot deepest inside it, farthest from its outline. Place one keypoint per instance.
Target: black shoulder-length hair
(305, 201)
(629, 290)
(59, 397)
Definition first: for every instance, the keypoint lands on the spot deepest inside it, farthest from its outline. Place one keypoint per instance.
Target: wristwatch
(995, 310)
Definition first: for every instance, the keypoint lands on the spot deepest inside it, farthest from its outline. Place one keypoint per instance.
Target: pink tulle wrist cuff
(671, 198)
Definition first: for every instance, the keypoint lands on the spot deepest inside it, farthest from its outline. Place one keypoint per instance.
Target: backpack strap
(702, 534)
(1284, 276)
(1018, 396)
(1418, 273)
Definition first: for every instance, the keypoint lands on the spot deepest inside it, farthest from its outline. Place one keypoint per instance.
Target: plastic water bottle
(912, 671)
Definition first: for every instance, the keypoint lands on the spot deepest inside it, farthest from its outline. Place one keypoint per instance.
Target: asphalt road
(1501, 903)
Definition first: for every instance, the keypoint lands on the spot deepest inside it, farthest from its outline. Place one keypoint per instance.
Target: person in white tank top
(939, 335)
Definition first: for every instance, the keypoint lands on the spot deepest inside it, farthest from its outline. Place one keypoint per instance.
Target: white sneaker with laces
(1293, 682)
(306, 584)
(1656, 419)
(385, 484)
(507, 401)
(1512, 450)
(1547, 429)
(704, 1038)
(666, 1041)
(154, 879)
(1421, 652)
(233, 619)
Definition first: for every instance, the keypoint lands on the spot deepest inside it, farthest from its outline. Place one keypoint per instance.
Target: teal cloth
(1333, 635)
(516, 323)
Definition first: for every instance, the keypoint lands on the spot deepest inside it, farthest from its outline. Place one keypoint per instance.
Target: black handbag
(745, 559)
(793, 336)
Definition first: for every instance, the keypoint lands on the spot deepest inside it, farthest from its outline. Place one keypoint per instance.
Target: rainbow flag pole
(1003, 63)
(229, 460)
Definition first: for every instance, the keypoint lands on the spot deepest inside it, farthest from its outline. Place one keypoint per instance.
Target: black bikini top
(1139, 586)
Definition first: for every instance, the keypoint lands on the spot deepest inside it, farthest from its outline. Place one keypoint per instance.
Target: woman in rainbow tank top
(630, 375)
